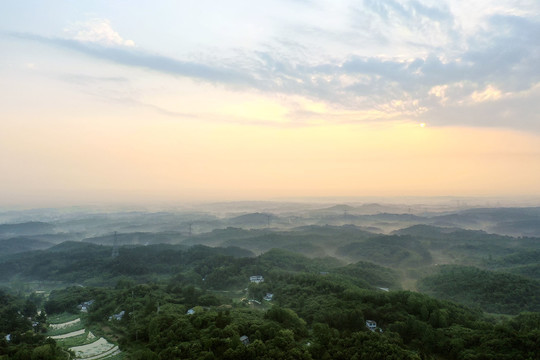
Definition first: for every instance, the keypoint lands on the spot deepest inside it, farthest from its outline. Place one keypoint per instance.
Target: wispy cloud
(487, 70)
(142, 59)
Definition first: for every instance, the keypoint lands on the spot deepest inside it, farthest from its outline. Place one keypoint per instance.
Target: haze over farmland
(282, 180)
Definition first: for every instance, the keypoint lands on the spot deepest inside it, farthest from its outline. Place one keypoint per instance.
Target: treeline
(312, 241)
(523, 262)
(394, 251)
(495, 292)
(22, 328)
(215, 268)
(372, 273)
(468, 247)
(76, 262)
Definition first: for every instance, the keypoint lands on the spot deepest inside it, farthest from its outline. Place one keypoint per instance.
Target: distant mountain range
(21, 244)
(26, 228)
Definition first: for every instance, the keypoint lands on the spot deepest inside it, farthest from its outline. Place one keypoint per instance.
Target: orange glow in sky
(229, 103)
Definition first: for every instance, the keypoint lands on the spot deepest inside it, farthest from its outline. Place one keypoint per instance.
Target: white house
(85, 305)
(244, 339)
(256, 279)
(118, 316)
(371, 325)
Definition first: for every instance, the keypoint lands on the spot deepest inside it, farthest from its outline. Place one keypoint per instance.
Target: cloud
(97, 31)
(439, 91)
(489, 67)
(491, 93)
(87, 79)
(138, 58)
(413, 23)
(506, 52)
(518, 110)
(411, 12)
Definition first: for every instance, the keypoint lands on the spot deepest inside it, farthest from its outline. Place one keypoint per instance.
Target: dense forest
(313, 314)
(495, 292)
(22, 329)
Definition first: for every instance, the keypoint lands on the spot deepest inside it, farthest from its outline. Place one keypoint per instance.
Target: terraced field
(72, 335)
(99, 349)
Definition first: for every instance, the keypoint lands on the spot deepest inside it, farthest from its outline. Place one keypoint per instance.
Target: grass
(75, 341)
(77, 326)
(62, 318)
(116, 357)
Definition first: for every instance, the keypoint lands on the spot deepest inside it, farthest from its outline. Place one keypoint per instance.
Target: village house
(256, 279)
(244, 340)
(371, 325)
(118, 316)
(85, 305)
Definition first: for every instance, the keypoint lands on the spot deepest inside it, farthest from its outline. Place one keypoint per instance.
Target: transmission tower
(115, 246)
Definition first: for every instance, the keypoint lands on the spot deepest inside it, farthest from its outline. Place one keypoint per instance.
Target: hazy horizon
(131, 203)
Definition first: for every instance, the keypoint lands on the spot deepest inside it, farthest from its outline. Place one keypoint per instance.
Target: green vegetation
(312, 241)
(76, 262)
(21, 244)
(312, 315)
(58, 318)
(522, 262)
(395, 251)
(192, 301)
(21, 330)
(375, 275)
(27, 228)
(493, 291)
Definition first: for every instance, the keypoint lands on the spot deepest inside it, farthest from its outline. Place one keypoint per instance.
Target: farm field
(71, 335)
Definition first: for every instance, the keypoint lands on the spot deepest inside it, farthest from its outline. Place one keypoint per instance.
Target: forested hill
(27, 228)
(311, 316)
(80, 262)
(198, 303)
(495, 292)
(21, 244)
(395, 251)
(218, 268)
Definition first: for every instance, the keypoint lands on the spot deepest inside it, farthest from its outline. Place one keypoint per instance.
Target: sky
(116, 100)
